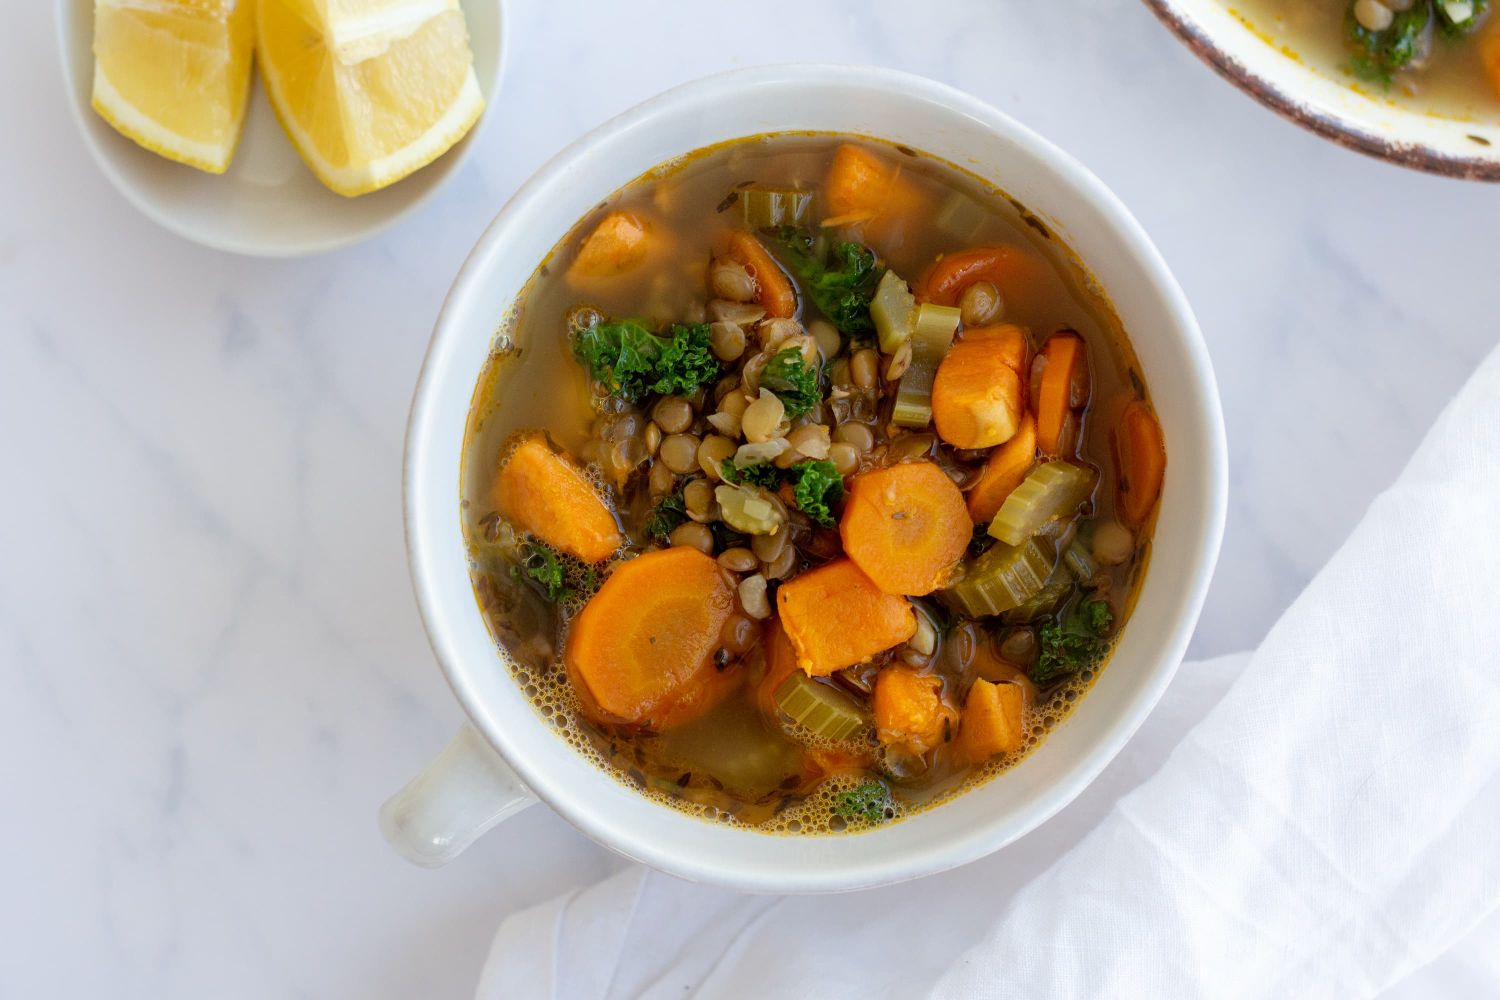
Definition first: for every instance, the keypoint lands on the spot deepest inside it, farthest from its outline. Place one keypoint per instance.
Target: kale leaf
(633, 362)
(542, 564)
(664, 519)
(817, 488)
(870, 802)
(794, 380)
(840, 280)
(1379, 55)
(1079, 641)
(766, 475)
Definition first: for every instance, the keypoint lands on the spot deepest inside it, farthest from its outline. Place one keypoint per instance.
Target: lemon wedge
(369, 91)
(174, 75)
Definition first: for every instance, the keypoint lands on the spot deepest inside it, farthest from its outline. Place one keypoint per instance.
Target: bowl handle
(467, 790)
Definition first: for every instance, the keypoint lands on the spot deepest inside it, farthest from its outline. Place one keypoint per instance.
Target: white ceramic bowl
(471, 787)
(268, 204)
(1325, 104)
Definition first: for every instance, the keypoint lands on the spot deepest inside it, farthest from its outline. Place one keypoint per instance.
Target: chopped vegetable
(868, 621)
(1140, 461)
(906, 526)
(541, 564)
(773, 207)
(632, 362)
(1458, 18)
(840, 280)
(932, 337)
(870, 802)
(617, 243)
(820, 708)
(977, 396)
(1044, 602)
(641, 650)
(863, 187)
(748, 509)
(1489, 55)
(1379, 55)
(994, 720)
(767, 476)
(773, 290)
(1062, 389)
(910, 711)
(544, 493)
(1003, 577)
(1079, 560)
(668, 513)
(1078, 642)
(893, 311)
(817, 487)
(1004, 470)
(1017, 274)
(961, 217)
(1050, 491)
(790, 377)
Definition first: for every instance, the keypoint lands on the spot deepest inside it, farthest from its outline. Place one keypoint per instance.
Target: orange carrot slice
(544, 493)
(835, 617)
(1062, 389)
(906, 526)
(641, 650)
(1140, 462)
(1003, 471)
(773, 289)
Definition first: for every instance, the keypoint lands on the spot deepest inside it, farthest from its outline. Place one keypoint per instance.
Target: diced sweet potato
(836, 617)
(864, 188)
(977, 397)
(544, 493)
(994, 720)
(618, 243)
(910, 711)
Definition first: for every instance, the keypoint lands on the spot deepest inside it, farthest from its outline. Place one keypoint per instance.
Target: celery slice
(894, 310)
(1079, 560)
(769, 207)
(1004, 577)
(932, 337)
(961, 217)
(1051, 490)
(1053, 595)
(820, 708)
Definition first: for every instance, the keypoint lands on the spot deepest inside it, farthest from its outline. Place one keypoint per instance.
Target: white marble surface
(211, 667)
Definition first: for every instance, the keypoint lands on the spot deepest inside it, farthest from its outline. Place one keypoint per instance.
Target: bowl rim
(430, 507)
(69, 22)
(1328, 124)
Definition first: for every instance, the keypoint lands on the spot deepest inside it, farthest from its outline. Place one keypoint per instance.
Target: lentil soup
(809, 484)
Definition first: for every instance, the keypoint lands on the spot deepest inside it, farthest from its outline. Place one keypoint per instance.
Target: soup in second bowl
(1443, 55)
(809, 484)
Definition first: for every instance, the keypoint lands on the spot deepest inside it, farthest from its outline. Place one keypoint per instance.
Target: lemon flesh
(369, 91)
(174, 75)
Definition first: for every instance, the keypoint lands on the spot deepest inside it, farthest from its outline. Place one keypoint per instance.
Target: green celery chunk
(1079, 560)
(961, 217)
(820, 708)
(931, 339)
(1003, 577)
(770, 207)
(1050, 491)
(894, 310)
(1053, 595)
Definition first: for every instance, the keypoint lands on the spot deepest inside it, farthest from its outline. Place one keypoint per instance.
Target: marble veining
(211, 666)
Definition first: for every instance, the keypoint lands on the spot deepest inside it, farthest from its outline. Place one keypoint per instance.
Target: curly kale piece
(794, 380)
(840, 279)
(668, 514)
(632, 362)
(750, 475)
(817, 488)
(1379, 55)
(542, 565)
(1079, 641)
(870, 802)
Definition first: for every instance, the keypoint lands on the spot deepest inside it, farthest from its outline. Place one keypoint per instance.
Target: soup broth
(753, 578)
(1452, 71)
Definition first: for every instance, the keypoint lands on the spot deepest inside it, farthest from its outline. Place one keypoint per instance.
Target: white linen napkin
(1318, 818)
